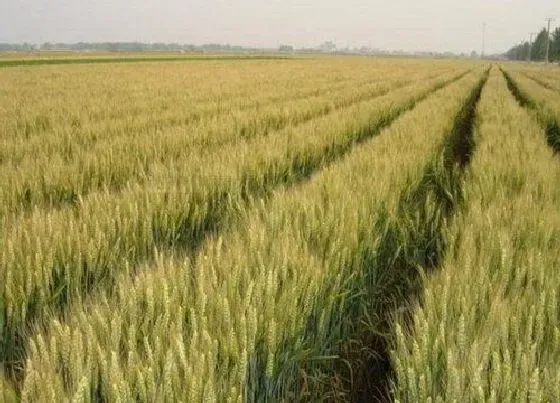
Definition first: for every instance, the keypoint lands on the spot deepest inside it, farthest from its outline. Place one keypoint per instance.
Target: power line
(549, 20)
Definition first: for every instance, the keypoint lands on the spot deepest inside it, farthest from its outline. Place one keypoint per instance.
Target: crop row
(137, 99)
(550, 81)
(274, 294)
(82, 107)
(53, 257)
(53, 180)
(488, 324)
(544, 101)
(133, 84)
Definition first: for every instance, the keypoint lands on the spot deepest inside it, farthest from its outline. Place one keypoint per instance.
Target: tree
(519, 52)
(538, 50)
(286, 49)
(328, 47)
(555, 46)
(539, 47)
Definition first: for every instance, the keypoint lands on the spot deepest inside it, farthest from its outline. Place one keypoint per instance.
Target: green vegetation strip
(79, 250)
(98, 60)
(487, 327)
(263, 302)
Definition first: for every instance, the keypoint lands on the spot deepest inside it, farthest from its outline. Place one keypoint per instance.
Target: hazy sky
(387, 24)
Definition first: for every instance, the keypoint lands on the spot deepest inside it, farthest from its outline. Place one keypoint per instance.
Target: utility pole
(483, 39)
(549, 20)
(530, 45)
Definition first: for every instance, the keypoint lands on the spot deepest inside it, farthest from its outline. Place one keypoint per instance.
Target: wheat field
(279, 229)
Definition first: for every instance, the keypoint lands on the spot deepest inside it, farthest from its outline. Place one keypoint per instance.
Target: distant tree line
(7, 47)
(538, 48)
(326, 47)
(123, 47)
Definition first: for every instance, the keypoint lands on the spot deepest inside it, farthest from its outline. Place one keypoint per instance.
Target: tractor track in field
(550, 125)
(426, 247)
(362, 372)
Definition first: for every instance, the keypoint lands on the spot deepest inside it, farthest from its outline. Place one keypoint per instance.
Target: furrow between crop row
(407, 237)
(415, 243)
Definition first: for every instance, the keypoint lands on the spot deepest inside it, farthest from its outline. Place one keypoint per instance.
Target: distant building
(286, 49)
(328, 47)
